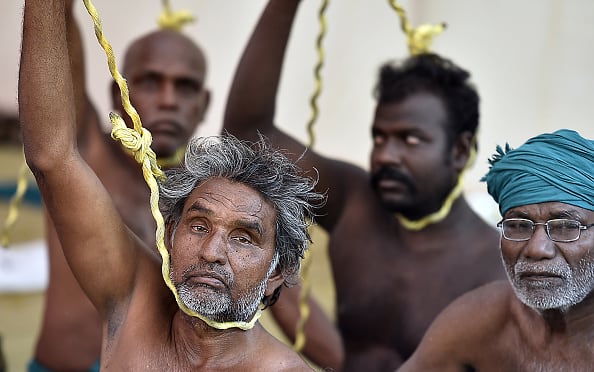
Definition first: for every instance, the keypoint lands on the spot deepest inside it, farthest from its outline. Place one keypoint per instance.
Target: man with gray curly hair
(276, 180)
(236, 227)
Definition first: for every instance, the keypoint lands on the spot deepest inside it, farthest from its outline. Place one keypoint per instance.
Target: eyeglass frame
(546, 225)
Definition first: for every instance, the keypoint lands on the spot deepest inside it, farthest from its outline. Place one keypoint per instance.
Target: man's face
(222, 251)
(166, 77)
(411, 163)
(547, 274)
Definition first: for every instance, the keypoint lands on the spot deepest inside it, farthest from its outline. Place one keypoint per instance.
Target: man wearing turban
(541, 318)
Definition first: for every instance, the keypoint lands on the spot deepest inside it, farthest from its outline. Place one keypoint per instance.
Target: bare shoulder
(273, 355)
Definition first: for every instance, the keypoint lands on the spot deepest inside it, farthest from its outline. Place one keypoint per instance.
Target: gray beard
(577, 284)
(220, 306)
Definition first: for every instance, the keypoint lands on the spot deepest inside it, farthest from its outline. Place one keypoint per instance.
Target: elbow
(43, 157)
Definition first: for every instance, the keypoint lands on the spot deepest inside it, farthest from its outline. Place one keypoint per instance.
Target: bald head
(166, 73)
(162, 43)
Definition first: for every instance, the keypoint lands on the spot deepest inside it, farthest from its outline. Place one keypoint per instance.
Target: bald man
(541, 318)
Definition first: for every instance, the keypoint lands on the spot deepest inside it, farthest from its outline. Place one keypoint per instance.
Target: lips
(207, 279)
(391, 184)
(540, 279)
(165, 127)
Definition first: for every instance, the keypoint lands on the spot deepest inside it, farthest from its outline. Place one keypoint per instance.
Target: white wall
(532, 61)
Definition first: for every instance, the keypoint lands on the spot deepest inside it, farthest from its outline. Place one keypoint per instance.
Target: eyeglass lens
(561, 230)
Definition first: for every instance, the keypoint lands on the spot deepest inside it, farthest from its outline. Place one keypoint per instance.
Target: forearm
(91, 232)
(251, 101)
(45, 86)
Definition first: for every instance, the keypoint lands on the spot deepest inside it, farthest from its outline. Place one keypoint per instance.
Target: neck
(174, 160)
(437, 216)
(201, 344)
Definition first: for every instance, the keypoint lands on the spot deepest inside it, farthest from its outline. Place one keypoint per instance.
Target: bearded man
(541, 319)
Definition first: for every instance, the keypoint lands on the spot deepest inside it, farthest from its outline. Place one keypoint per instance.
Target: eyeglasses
(558, 230)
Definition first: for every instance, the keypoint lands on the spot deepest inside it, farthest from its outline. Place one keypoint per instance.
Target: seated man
(235, 230)
(541, 319)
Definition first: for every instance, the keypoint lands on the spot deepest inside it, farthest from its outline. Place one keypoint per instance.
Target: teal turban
(551, 167)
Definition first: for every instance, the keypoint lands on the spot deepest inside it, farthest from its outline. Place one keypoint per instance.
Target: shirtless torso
(489, 329)
(390, 282)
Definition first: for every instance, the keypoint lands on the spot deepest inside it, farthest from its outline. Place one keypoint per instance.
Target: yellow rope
(304, 310)
(317, 73)
(419, 39)
(443, 212)
(138, 140)
(15, 203)
(170, 20)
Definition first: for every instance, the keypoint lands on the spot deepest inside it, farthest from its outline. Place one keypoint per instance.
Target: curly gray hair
(265, 170)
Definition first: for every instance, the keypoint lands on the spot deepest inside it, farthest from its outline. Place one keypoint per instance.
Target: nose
(539, 247)
(214, 249)
(167, 95)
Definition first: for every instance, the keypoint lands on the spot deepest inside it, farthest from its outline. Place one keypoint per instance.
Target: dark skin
(490, 329)
(70, 336)
(142, 326)
(390, 282)
(166, 75)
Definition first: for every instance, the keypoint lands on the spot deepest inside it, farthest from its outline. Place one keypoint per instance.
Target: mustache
(208, 269)
(168, 121)
(390, 173)
(523, 267)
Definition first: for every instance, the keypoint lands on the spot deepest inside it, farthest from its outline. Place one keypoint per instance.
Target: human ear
(462, 151)
(276, 280)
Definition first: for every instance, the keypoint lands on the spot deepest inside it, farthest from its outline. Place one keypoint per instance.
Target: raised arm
(251, 106)
(251, 102)
(251, 109)
(91, 232)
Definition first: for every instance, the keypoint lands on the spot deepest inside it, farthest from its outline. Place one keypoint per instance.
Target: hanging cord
(138, 140)
(419, 39)
(304, 310)
(443, 212)
(15, 204)
(170, 20)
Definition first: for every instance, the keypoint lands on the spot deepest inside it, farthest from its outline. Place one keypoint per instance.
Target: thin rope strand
(15, 204)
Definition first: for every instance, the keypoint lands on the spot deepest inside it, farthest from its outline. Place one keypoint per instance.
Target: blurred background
(531, 60)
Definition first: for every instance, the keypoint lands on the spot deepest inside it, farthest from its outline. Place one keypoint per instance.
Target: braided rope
(419, 39)
(15, 203)
(304, 310)
(170, 20)
(138, 140)
(439, 215)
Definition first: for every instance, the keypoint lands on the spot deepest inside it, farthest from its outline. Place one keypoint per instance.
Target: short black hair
(434, 74)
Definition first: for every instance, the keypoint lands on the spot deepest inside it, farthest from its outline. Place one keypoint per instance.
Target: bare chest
(388, 292)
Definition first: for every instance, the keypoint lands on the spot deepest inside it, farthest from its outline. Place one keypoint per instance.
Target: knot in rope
(419, 39)
(139, 144)
(174, 20)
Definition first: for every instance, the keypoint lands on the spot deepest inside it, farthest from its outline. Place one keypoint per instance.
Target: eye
(412, 140)
(149, 83)
(198, 228)
(378, 138)
(243, 239)
(187, 87)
